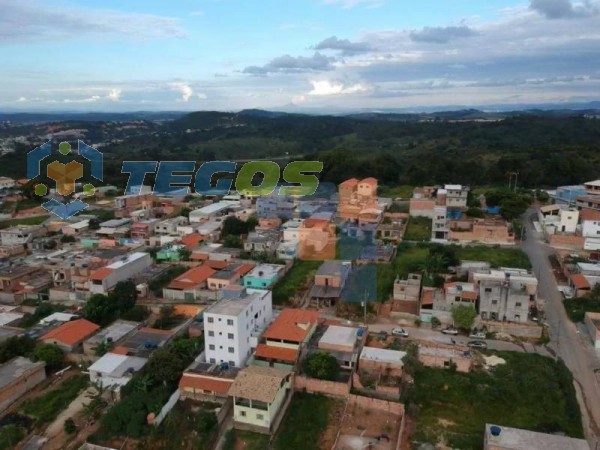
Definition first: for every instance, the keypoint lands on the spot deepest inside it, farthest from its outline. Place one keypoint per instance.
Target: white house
(104, 279)
(114, 370)
(591, 233)
(212, 211)
(232, 325)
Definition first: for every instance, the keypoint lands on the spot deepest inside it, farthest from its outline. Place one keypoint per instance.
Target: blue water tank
(495, 430)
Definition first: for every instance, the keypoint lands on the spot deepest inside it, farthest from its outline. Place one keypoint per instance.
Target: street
(566, 340)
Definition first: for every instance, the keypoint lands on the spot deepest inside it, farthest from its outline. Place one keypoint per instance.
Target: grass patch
(300, 275)
(418, 229)
(45, 408)
(409, 258)
(24, 221)
(306, 420)
(577, 307)
(10, 435)
(530, 391)
(252, 441)
(496, 256)
(403, 191)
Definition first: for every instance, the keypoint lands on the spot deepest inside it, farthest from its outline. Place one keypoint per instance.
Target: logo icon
(64, 176)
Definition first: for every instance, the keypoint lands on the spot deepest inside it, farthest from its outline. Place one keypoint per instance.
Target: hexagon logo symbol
(64, 175)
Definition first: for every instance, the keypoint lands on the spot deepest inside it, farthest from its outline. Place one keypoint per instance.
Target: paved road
(566, 340)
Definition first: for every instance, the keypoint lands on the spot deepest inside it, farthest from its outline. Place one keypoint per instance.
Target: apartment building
(105, 278)
(233, 324)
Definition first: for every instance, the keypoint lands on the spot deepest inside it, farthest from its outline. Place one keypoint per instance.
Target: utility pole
(365, 307)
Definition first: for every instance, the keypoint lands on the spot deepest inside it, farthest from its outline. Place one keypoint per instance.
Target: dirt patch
(335, 417)
(361, 426)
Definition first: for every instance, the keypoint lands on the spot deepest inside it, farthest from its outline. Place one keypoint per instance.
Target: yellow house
(260, 397)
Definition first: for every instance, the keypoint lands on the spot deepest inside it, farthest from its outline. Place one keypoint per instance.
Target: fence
(166, 408)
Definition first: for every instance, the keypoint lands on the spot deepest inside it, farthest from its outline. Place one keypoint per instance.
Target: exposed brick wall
(569, 242)
(315, 386)
(515, 329)
(376, 404)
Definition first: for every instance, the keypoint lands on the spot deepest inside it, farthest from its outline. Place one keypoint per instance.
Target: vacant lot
(305, 422)
(418, 229)
(529, 391)
(577, 307)
(496, 256)
(299, 276)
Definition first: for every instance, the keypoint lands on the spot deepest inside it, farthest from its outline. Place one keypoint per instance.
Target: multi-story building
(505, 294)
(439, 227)
(169, 226)
(20, 234)
(279, 206)
(105, 278)
(263, 276)
(591, 199)
(330, 280)
(590, 229)
(407, 293)
(233, 324)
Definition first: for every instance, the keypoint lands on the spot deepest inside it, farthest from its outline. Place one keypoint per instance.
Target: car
(399, 332)
(477, 344)
(450, 330)
(477, 335)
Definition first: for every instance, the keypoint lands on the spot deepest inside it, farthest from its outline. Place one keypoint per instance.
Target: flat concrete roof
(517, 439)
(382, 355)
(336, 335)
(15, 368)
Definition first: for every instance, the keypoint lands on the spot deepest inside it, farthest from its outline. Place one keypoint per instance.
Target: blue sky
(344, 54)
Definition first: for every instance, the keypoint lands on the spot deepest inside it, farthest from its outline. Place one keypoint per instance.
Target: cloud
(441, 35)
(326, 87)
(24, 21)
(564, 9)
(185, 89)
(114, 95)
(347, 4)
(293, 64)
(344, 45)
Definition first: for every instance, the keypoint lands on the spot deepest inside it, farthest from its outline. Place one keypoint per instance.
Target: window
(243, 413)
(213, 360)
(211, 347)
(229, 321)
(231, 350)
(211, 333)
(494, 302)
(210, 320)
(518, 305)
(488, 289)
(231, 363)
(260, 417)
(229, 335)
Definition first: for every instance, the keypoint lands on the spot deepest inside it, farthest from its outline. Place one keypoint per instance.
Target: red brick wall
(315, 386)
(562, 241)
(376, 404)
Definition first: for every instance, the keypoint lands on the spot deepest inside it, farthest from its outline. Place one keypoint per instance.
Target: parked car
(399, 332)
(477, 344)
(450, 330)
(477, 334)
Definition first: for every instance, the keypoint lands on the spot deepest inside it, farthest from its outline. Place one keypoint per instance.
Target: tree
(475, 212)
(51, 354)
(464, 316)
(165, 366)
(16, 346)
(124, 295)
(322, 365)
(138, 313)
(435, 322)
(184, 253)
(100, 309)
(69, 426)
(67, 238)
(185, 212)
(233, 241)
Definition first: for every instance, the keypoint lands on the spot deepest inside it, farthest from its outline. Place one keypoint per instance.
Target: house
(506, 438)
(592, 323)
(17, 377)
(188, 286)
(104, 279)
(115, 227)
(381, 360)
(590, 229)
(456, 195)
(407, 293)
(557, 219)
(169, 226)
(7, 183)
(262, 242)
(330, 280)
(567, 194)
(125, 204)
(212, 211)
(422, 207)
(170, 253)
(207, 382)
(230, 274)
(20, 234)
(445, 356)
(12, 277)
(70, 335)
(275, 206)
(287, 250)
(391, 228)
(113, 370)
(482, 231)
(232, 325)
(579, 284)
(57, 317)
(505, 294)
(260, 397)
(342, 343)
(263, 276)
(291, 230)
(8, 251)
(215, 252)
(357, 197)
(439, 226)
(73, 229)
(316, 240)
(109, 336)
(281, 341)
(143, 229)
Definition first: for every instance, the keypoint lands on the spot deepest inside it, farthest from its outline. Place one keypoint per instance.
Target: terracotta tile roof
(258, 383)
(314, 223)
(192, 240)
(350, 182)
(216, 264)
(119, 350)
(244, 269)
(189, 381)
(276, 353)
(193, 278)
(427, 297)
(100, 274)
(370, 180)
(72, 332)
(155, 331)
(579, 281)
(589, 214)
(292, 325)
(469, 294)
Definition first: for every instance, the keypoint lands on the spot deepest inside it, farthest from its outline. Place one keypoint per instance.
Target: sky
(228, 55)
